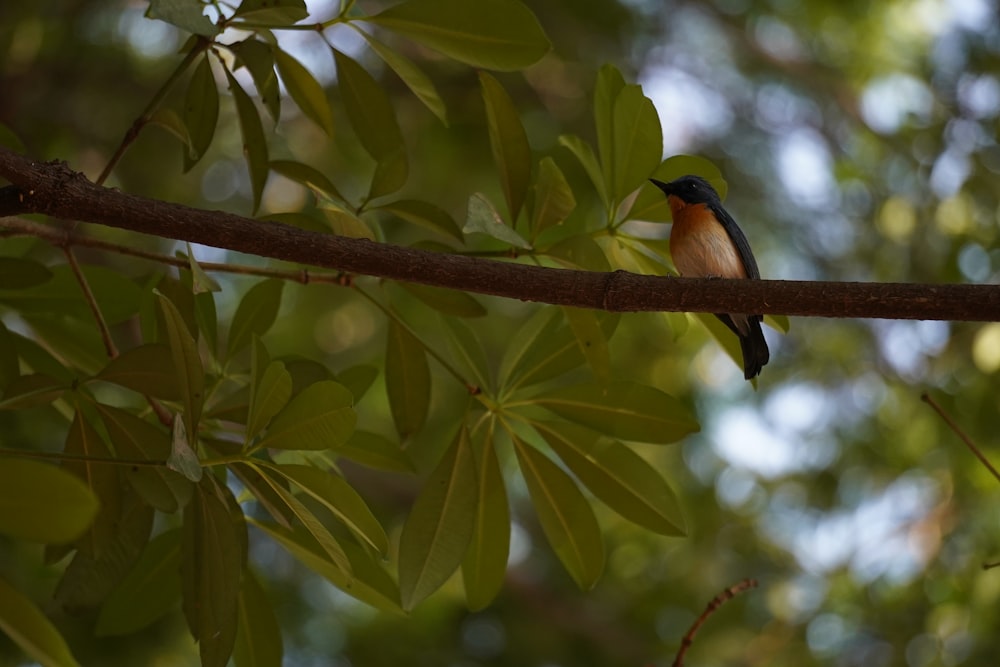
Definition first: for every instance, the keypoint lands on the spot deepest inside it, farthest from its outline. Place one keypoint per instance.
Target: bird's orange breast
(700, 245)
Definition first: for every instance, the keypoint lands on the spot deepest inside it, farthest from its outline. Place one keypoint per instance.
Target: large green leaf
(334, 493)
(211, 569)
(412, 76)
(270, 394)
(254, 143)
(485, 562)
(258, 637)
(439, 528)
(27, 627)
(493, 34)
(374, 121)
(637, 141)
(19, 273)
(276, 13)
(553, 200)
(610, 83)
(304, 89)
(41, 503)
(147, 369)
(566, 517)
(626, 410)
(407, 380)
(617, 475)
(375, 451)
(585, 155)
(593, 343)
(201, 112)
(320, 417)
(184, 14)
(258, 58)
(256, 313)
(187, 364)
(148, 591)
(29, 391)
(511, 151)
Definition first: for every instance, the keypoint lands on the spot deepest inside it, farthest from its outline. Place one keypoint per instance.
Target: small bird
(705, 242)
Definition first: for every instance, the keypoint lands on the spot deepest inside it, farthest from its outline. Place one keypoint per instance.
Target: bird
(705, 242)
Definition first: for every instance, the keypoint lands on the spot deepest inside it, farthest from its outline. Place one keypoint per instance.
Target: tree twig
(926, 398)
(55, 190)
(88, 296)
(716, 602)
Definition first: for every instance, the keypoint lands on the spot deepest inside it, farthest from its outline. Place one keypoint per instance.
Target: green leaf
(150, 589)
(258, 58)
(201, 282)
(566, 517)
(171, 121)
(519, 348)
(446, 301)
(375, 451)
(117, 295)
(201, 112)
(29, 391)
(437, 533)
(485, 562)
(468, 350)
(185, 14)
(374, 121)
(554, 199)
(308, 176)
(425, 215)
(676, 166)
(320, 417)
(610, 83)
(326, 541)
(585, 155)
(358, 379)
(370, 583)
(483, 218)
(637, 141)
(270, 395)
(493, 34)
(412, 76)
(345, 223)
(334, 493)
(256, 313)
(211, 568)
(590, 337)
(42, 503)
(27, 627)
(258, 637)
(617, 475)
(778, 322)
(511, 151)
(305, 90)
(580, 252)
(276, 13)
(10, 368)
(134, 438)
(102, 480)
(626, 410)
(18, 273)
(254, 143)
(407, 380)
(183, 459)
(187, 363)
(147, 369)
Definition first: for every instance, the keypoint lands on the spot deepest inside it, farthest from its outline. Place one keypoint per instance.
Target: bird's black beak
(666, 187)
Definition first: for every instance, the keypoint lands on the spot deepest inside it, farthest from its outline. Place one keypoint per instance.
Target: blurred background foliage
(859, 141)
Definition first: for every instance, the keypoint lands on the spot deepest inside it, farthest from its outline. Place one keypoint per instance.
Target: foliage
(213, 430)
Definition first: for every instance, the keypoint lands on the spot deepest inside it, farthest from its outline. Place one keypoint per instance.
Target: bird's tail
(755, 352)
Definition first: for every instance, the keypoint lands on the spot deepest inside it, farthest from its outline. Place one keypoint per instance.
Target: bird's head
(689, 189)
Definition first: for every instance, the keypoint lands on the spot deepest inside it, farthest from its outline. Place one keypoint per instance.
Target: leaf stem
(926, 398)
(60, 456)
(88, 295)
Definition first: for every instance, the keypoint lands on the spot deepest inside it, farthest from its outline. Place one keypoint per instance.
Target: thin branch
(55, 190)
(62, 456)
(88, 296)
(716, 602)
(926, 398)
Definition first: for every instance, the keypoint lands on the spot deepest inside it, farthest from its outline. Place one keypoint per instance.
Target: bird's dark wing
(738, 239)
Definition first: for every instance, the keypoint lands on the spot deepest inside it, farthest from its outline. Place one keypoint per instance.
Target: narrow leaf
(425, 215)
(468, 349)
(590, 337)
(566, 517)
(305, 90)
(554, 199)
(407, 380)
(187, 363)
(201, 112)
(201, 282)
(27, 627)
(101, 478)
(182, 457)
(254, 143)
(277, 13)
(258, 636)
(270, 395)
(446, 301)
(256, 313)
(485, 562)
(436, 535)
(375, 451)
(610, 83)
(624, 410)
(637, 143)
(258, 58)
(493, 34)
(308, 176)
(412, 76)
(42, 503)
(509, 142)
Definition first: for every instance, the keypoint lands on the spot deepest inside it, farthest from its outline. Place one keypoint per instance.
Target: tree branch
(52, 188)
